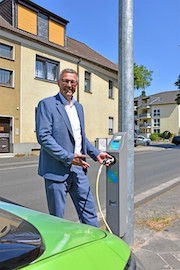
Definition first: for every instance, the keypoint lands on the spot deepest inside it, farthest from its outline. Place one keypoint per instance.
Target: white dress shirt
(75, 123)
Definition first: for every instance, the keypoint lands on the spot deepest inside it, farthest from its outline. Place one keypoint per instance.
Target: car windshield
(20, 241)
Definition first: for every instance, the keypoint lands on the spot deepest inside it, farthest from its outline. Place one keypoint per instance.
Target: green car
(37, 241)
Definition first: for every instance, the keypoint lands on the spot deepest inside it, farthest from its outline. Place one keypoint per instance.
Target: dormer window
(40, 22)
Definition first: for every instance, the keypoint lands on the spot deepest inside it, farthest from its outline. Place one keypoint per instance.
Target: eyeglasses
(66, 82)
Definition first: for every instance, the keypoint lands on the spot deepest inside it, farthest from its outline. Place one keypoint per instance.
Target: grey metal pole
(126, 101)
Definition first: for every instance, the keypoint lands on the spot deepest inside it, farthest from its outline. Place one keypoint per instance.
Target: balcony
(145, 106)
(145, 115)
(135, 117)
(146, 129)
(147, 125)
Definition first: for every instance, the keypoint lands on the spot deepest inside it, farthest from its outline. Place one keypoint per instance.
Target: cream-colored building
(34, 48)
(157, 113)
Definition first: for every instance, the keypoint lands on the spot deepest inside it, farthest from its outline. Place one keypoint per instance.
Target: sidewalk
(157, 231)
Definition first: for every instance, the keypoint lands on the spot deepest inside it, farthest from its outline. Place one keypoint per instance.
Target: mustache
(68, 89)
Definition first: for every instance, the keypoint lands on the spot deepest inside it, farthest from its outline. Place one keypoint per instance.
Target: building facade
(34, 48)
(157, 113)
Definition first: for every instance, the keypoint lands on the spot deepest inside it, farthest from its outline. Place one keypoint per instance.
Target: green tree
(177, 83)
(143, 93)
(142, 78)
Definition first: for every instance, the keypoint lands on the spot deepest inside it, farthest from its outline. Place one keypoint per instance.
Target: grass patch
(158, 223)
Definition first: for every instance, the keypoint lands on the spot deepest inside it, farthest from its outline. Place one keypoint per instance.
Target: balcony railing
(145, 115)
(143, 106)
(147, 125)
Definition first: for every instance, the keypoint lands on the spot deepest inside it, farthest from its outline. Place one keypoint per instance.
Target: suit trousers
(77, 184)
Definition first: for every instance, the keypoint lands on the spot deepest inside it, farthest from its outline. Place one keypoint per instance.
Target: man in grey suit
(64, 146)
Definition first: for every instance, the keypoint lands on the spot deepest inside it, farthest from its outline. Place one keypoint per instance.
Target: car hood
(58, 235)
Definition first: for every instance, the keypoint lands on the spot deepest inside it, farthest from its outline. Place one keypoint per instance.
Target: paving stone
(161, 245)
(171, 260)
(158, 250)
(150, 260)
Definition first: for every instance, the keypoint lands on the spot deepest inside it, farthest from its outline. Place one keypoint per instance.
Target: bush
(159, 136)
(167, 135)
(154, 136)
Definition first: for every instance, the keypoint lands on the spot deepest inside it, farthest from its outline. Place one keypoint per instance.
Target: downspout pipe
(78, 78)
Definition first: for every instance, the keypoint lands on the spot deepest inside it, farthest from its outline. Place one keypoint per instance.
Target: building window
(157, 122)
(156, 112)
(6, 77)
(46, 69)
(6, 51)
(42, 26)
(111, 125)
(111, 94)
(156, 130)
(87, 81)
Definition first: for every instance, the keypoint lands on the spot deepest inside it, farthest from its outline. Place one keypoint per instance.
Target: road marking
(20, 167)
(155, 190)
(17, 163)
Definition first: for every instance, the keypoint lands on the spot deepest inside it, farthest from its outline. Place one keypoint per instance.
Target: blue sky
(156, 33)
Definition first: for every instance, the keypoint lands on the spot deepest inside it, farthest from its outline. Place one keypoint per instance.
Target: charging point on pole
(116, 185)
(109, 160)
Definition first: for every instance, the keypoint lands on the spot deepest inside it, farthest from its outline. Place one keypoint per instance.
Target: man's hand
(78, 160)
(102, 156)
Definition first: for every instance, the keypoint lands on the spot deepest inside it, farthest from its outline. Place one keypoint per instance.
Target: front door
(4, 134)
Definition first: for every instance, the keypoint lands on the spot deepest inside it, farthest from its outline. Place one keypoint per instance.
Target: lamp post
(126, 102)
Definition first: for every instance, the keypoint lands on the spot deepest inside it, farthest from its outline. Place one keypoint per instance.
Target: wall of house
(20, 101)
(10, 96)
(97, 106)
(33, 90)
(169, 117)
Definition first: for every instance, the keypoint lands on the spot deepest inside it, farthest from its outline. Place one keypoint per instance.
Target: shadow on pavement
(165, 145)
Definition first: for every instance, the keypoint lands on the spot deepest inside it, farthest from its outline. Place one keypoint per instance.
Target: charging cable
(108, 160)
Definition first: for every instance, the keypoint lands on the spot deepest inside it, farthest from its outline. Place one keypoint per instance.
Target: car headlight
(133, 263)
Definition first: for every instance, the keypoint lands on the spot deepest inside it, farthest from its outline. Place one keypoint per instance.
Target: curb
(154, 192)
(144, 197)
(7, 155)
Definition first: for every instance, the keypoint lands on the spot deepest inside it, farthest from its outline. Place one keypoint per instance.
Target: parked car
(37, 241)
(141, 140)
(176, 140)
(135, 139)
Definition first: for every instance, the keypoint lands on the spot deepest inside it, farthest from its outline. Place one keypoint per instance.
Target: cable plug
(109, 160)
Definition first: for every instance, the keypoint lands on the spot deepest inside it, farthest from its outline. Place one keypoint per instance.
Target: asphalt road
(20, 182)
(154, 168)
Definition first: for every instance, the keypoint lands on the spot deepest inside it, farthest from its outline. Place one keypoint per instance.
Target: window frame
(46, 60)
(111, 130)
(12, 51)
(89, 80)
(39, 20)
(156, 129)
(111, 89)
(11, 85)
(157, 122)
(156, 112)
